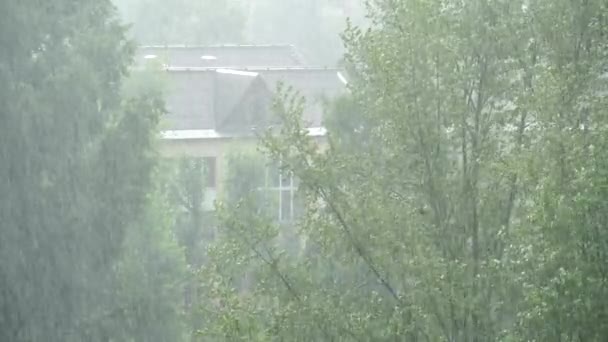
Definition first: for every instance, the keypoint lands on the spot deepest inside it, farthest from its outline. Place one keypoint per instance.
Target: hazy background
(314, 26)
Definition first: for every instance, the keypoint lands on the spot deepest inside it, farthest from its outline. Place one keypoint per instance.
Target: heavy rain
(303, 170)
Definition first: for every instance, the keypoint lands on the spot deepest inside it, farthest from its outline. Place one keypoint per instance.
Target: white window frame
(289, 186)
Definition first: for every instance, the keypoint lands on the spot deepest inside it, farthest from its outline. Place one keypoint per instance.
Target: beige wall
(216, 147)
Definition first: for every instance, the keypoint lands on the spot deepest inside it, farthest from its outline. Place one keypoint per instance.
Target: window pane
(273, 175)
(296, 182)
(285, 180)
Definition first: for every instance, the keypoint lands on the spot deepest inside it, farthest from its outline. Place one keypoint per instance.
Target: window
(283, 188)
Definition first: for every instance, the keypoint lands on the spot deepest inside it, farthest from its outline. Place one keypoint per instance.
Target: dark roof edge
(184, 46)
(213, 69)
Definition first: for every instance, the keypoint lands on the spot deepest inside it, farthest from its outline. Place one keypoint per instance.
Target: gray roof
(211, 98)
(232, 56)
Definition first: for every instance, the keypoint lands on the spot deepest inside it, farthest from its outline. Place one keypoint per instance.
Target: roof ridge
(195, 46)
(254, 68)
(296, 55)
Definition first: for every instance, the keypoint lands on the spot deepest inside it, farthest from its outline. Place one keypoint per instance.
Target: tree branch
(358, 248)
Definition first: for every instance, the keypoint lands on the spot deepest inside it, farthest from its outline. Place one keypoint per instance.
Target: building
(222, 56)
(217, 106)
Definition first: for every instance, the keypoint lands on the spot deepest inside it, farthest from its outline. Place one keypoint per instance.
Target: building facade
(220, 97)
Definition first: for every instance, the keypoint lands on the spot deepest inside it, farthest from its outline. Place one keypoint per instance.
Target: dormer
(242, 101)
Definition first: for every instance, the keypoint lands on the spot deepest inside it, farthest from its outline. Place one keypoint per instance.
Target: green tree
(451, 206)
(77, 160)
(245, 178)
(561, 256)
(149, 277)
(193, 226)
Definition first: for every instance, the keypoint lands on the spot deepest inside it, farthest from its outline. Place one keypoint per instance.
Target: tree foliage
(462, 202)
(77, 163)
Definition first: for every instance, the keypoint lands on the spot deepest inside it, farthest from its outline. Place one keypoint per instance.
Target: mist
(313, 26)
(303, 170)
